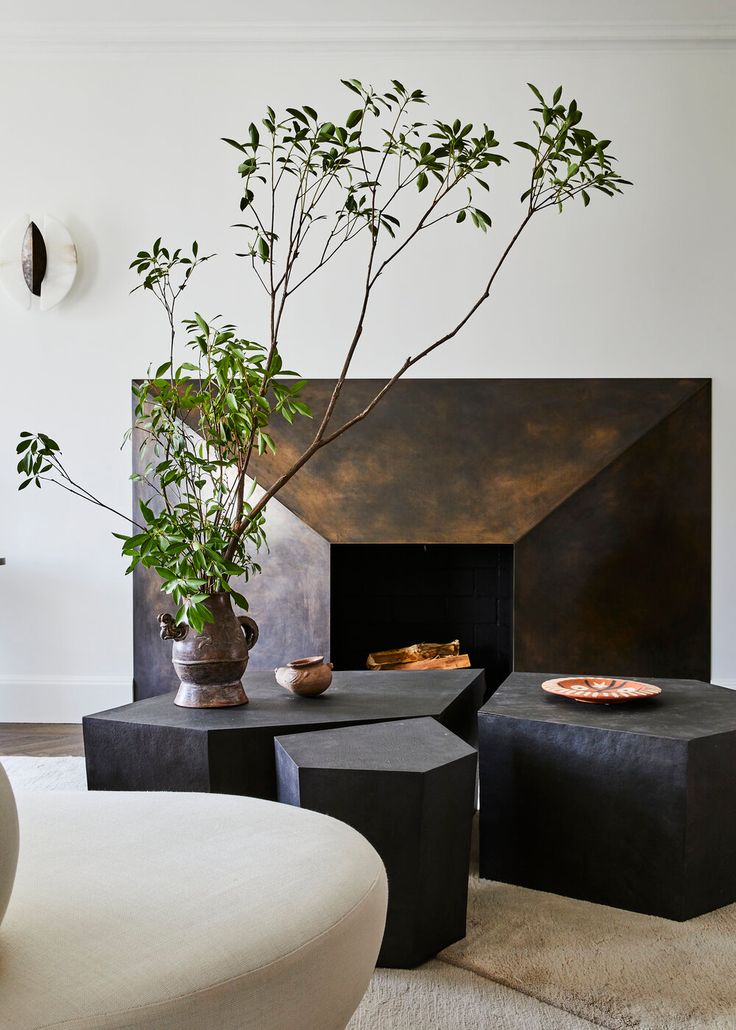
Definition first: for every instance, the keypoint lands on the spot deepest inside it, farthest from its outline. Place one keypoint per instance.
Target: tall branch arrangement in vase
(311, 189)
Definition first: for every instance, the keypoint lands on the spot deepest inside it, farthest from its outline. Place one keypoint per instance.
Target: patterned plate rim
(614, 693)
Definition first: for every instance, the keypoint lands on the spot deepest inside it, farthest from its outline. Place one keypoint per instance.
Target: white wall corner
(60, 698)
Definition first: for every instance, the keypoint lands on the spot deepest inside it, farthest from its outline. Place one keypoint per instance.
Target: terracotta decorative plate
(600, 690)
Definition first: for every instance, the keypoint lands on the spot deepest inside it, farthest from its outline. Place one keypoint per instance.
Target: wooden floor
(36, 738)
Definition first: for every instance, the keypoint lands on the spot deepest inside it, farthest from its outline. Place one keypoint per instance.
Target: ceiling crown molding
(98, 38)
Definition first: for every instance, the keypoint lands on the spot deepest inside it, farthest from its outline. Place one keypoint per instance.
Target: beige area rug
(534, 961)
(28, 773)
(437, 996)
(616, 969)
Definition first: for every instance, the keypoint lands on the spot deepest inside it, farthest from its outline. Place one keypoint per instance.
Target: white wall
(123, 146)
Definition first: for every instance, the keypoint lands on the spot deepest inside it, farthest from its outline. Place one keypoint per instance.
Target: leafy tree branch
(310, 189)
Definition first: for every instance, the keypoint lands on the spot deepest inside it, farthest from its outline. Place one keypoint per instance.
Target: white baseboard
(60, 698)
(720, 682)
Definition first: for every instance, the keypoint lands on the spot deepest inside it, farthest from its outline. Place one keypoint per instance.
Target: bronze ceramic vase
(210, 664)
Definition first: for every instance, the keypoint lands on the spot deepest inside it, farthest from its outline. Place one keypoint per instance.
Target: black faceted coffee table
(154, 745)
(409, 787)
(631, 805)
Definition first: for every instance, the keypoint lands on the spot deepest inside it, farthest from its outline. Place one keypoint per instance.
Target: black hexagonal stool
(409, 787)
(631, 805)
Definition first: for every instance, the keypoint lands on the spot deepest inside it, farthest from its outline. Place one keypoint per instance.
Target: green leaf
(146, 511)
(422, 181)
(238, 598)
(254, 136)
(354, 117)
(296, 113)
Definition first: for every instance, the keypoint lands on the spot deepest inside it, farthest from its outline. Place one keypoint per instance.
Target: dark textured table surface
(685, 709)
(414, 745)
(362, 696)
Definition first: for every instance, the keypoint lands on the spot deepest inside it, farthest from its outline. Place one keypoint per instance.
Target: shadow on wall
(87, 260)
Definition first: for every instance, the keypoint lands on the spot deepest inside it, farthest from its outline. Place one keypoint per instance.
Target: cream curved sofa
(180, 911)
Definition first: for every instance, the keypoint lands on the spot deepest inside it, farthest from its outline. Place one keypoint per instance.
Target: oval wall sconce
(37, 262)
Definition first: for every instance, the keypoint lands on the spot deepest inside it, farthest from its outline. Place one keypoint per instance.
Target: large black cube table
(631, 805)
(154, 745)
(409, 788)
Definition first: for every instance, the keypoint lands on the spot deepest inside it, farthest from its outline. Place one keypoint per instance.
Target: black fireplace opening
(385, 596)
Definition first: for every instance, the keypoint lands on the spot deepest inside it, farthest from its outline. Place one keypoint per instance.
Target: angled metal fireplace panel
(462, 460)
(616, 580)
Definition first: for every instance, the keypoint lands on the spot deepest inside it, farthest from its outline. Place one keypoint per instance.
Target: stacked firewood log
(420, 656)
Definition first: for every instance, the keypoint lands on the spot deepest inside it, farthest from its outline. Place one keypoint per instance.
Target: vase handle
(249, 628)
(170, 629)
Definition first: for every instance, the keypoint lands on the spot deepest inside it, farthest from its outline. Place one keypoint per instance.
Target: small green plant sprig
(569, 161)
(310, 187)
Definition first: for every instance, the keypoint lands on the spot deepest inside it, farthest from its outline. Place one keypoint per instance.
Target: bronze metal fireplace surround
(591, 497)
